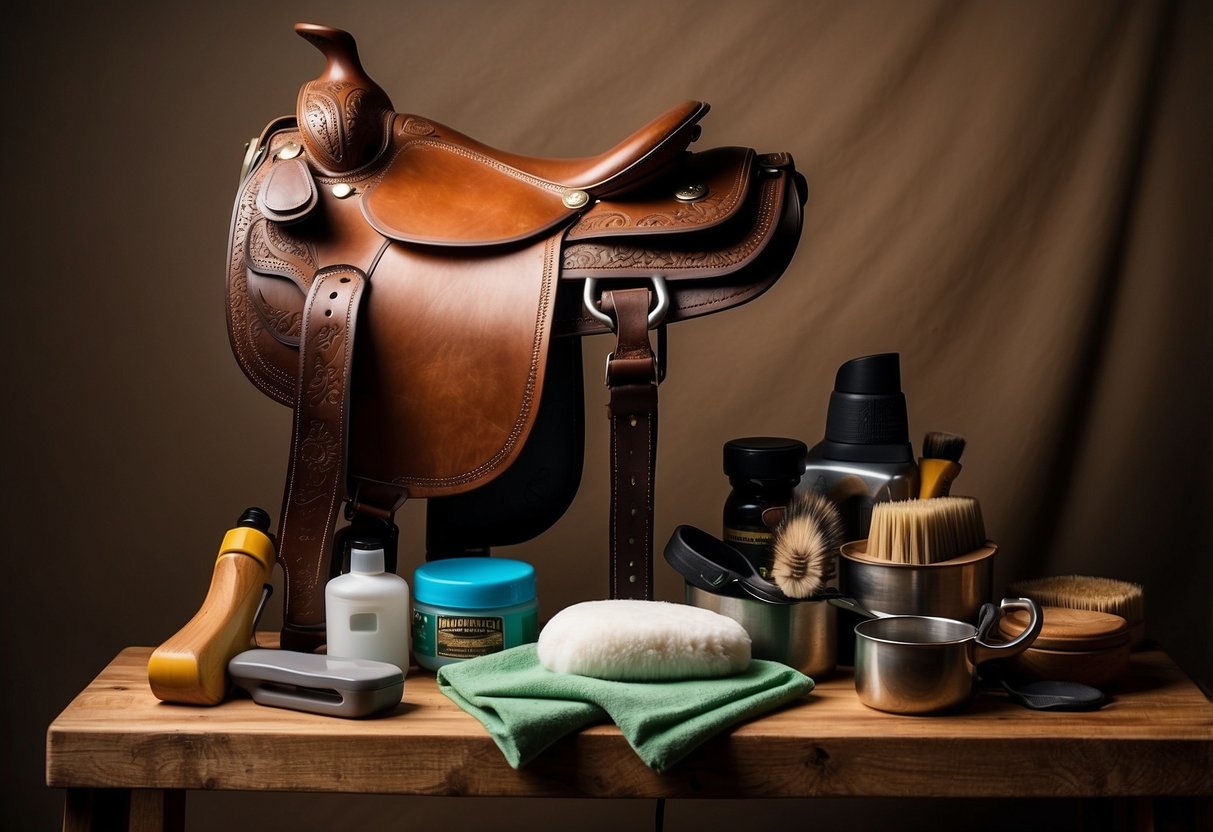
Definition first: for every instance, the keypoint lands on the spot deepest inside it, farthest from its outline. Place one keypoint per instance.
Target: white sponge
(643, 641)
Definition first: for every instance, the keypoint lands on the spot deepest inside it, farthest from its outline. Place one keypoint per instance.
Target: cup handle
(987, 617)
(983, 651)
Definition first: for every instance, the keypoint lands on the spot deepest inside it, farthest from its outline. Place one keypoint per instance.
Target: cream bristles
(1083, 592)
(805, 549)
(925, 531)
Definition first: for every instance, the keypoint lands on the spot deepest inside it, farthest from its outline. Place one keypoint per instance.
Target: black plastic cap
(367, 543)
(765, 458)
(871, 375)
(257, 518)
(866, 419)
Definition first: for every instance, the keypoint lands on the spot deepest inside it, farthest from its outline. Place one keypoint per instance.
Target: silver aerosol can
(866, 456)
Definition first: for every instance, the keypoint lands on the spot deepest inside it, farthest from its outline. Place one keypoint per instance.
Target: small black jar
(764, 472)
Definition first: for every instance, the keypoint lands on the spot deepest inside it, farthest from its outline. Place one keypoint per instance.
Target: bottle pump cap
(366, 557)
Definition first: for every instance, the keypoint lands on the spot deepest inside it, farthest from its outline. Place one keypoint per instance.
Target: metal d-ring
(252, 154)
(656, 314)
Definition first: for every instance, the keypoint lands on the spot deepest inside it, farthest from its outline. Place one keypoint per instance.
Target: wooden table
(124, 757)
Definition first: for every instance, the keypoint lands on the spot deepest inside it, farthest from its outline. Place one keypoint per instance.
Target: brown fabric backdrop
(1014, 195)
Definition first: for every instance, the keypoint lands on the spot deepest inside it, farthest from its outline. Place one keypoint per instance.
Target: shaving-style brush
(939, 463)
(805, 547)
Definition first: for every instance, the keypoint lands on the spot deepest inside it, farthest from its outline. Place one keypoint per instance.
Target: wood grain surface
(1154, 738)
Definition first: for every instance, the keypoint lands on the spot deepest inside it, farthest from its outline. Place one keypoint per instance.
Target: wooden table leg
(120, 810)
(157, 810)
(1158, 814)
(1176, 814)
(96, 810)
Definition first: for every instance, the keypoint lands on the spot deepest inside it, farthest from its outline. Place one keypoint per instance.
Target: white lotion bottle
(367, 610)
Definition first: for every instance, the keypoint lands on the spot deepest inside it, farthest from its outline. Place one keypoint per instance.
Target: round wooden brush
(805, 547)
(1084, 592)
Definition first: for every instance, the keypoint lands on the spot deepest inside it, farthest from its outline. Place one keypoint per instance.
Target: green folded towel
(527, 708)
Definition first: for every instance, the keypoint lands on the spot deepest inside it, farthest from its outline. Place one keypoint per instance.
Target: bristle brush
(805, 547)
(1086, 592)
(939, 463)
(925, 531)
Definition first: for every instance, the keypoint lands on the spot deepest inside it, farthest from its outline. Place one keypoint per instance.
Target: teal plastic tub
(469, 607)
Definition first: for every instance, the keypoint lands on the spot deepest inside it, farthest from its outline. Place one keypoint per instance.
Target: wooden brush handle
(191, 666)
(935, 476)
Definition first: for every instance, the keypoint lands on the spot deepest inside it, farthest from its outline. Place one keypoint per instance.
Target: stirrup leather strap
(631, 375)
(315, 484)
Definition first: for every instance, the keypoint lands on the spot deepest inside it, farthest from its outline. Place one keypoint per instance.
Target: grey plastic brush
(805, 549)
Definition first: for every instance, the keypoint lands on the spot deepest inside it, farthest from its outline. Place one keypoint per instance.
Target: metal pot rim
(856, 552)
(876, 623)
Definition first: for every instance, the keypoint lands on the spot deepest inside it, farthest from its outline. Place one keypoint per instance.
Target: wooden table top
(1154, 738)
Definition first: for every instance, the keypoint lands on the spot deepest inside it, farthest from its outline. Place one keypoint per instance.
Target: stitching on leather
(621, 257)
(766, 210)
(537, 356)
(438, 144)
(269, 379)
(293, 467)
(614, 536)
(649, 487)
(584, 228)
(643, 565)
(346, 368)
(288, 498)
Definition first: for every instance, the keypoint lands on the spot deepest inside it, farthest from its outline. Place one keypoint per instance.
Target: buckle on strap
(661, 305)
(653, 377)
(659, 361)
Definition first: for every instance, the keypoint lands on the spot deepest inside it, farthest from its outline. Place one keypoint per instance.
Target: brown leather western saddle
(466, 274)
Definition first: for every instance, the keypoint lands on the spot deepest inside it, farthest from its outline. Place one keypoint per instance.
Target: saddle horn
(344, 116)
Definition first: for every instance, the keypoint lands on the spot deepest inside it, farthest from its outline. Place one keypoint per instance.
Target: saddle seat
(641, 157)
(476, 195)
(426, 184)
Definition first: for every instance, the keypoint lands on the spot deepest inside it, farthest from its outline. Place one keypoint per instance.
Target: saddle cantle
(415, 296)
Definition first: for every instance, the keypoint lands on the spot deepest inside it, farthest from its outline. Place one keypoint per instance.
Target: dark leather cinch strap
(315, 484)
(631, 375)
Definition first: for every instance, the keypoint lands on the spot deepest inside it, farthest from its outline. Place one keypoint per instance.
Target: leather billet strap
(631, 375)
(315, 485)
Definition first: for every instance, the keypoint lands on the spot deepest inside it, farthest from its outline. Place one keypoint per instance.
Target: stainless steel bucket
(802, 635)
(949, 589)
